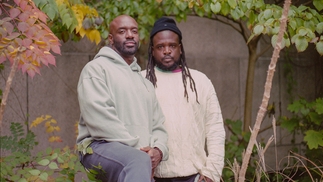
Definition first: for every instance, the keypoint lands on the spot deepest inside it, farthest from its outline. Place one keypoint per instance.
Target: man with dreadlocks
(190, 105)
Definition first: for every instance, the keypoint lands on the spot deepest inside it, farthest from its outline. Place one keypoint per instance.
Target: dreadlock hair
(150, 73)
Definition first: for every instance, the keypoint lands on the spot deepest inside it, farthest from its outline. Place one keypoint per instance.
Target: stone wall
(211, 47)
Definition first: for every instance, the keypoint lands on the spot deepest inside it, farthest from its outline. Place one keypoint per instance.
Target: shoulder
(198, 74)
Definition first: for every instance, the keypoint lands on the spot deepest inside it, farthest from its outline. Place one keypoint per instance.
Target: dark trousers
(178, 179)
(115, 162)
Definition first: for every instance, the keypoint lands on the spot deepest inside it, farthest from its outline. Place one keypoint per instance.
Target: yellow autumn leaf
(64, 166)
(82, 32)
(55, 139)
(57, 128)
(48, 116)
(47, 124)
(36, 122)
(50, 129)
(53, 121)
(94, 36)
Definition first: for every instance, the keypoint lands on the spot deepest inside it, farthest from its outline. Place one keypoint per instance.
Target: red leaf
(23, 26)
(50, 59)
(29, 53)
(31, 21)
(24, 16)
(23, 5)
(56, 49)
(8, 27)
(3, 58)
(26, 42)
(3, 32)
(6, 19)
(13, 35)
(31, 72)
(17, 2)
(14, 12)
(42, 16)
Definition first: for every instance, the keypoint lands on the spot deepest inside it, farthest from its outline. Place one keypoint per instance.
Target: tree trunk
(266, 95)
(252, 47)
(8, 86)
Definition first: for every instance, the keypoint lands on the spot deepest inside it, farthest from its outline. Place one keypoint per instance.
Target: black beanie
(165, 23)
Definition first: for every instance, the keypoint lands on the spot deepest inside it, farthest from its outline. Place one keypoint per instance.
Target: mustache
(167, 57)
(130, 41)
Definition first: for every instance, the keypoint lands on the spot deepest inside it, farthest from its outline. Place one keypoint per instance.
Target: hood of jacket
(116, 58)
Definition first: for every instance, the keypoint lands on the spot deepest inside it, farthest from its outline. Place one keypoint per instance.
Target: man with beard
(193, 115)
(121, 133)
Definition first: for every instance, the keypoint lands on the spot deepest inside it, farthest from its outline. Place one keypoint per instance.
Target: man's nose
(129, 34)
(167, 50)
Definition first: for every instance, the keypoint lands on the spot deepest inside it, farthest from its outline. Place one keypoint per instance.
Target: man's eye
(135, 31)
(160, 47)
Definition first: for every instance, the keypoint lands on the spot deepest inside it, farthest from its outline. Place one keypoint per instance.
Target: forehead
(166, 36)
(124, 22)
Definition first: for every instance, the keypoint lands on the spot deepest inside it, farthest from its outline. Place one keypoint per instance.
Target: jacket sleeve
(215, 137)
(98, 110)
(159, 134)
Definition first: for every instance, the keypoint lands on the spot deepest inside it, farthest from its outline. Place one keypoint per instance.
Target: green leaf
(53, 165)
(89, 150)
(232, 3)
(216, 8)
(319, 27)
(252, 17)
(319, 47)
(43, 176)
(34, 172)
(302, 31)
(302, 8)
(319, 106)
(301, 44)
(314, 138)
(225, 8)
(290, 124)
(318, 4)
(268, 13)
(258, 29)
(22, 180)
(44, 162)
(54, 156)
(273, 40)
(315, 118)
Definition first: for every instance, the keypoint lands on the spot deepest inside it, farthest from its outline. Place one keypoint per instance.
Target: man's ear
(152, 50)
(110, 39)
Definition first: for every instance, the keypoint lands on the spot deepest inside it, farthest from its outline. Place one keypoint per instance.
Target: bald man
(121, 133)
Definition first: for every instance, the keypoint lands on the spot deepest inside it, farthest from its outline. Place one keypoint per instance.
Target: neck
(167, 71)
(128, 59)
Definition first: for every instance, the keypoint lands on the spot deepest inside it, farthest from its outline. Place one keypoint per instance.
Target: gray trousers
(118, 162)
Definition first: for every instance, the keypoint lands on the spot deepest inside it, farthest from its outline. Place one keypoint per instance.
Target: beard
(172, 67)
(122, 49)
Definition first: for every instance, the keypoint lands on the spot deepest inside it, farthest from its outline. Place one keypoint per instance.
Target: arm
(159, 134)
(98, 109)
(215, 137)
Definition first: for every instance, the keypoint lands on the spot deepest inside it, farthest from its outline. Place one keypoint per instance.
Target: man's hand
(154, 154)
(206, 179)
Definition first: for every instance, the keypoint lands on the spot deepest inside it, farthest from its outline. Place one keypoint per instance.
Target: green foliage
(20, 165)
(307, 119)
(18, 142)
(234, 148)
